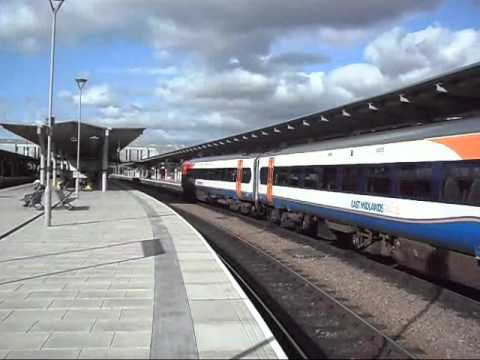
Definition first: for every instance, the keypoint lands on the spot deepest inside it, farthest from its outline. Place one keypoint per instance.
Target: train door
(271, 167)
(239, 179)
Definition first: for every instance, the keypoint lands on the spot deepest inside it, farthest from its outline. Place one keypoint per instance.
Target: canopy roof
(92, 138)
(447, 97)
(14, 156)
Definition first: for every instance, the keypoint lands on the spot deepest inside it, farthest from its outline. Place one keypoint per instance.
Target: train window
(461, 184)
(280, 176)
(295, 176)
(263, 175)
(456, 184)
(351, 178)
(247, 175)
(330, 178)
(473, 197)
(415, 181)
(231, 175)
(210, 174)
(218, 174)
(311, 179)
(378, 180)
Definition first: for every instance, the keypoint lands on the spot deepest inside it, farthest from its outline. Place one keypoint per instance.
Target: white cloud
(358, 80)
(242, 99)
(111, 111)
(18, 26)
(406, 57)
(100, 96)
(144, 70)
(248, 28)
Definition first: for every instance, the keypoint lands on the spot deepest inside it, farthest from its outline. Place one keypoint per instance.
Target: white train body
(237, 182)
(419, 183)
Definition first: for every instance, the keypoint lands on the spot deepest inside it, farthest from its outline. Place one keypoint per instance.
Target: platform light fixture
(55, 6)
(403, 99)
(439, 88)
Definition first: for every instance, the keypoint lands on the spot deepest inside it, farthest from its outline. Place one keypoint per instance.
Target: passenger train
(412, 194)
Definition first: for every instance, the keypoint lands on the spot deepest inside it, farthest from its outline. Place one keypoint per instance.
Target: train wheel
(275, 216)
(258, 212)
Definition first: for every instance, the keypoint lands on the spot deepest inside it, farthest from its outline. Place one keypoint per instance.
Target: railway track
(307, 320)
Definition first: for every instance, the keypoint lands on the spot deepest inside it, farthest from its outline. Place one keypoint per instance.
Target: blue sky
(190, 73)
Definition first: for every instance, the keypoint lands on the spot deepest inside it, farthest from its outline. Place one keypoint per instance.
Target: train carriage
(412, 194)
(421, 183)
(227, 179)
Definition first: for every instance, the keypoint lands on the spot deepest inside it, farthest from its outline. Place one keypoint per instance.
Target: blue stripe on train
(462, 236)
(232, 194)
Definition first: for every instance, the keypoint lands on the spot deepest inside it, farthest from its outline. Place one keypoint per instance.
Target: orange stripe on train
(466, 146)
(239, 179)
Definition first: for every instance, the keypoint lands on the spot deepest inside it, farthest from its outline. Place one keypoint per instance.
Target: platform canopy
(443, 98)
(92, 138)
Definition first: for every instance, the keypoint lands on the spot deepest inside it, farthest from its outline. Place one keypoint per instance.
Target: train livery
(412, 194)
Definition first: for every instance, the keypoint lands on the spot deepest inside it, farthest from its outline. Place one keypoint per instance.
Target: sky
(193, 71)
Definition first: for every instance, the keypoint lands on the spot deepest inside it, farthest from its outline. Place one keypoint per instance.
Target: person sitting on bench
(64, 200)
(59, 199)
(34, 199)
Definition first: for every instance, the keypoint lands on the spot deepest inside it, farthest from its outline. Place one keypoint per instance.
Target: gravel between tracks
(422, 322)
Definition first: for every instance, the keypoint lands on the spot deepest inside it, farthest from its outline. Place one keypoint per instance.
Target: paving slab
(9, 199)
(78, 340)
(116, 353)
(43, 354)
(19, 340)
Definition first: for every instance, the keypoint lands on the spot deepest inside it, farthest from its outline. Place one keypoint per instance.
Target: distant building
(135, 153)
(20, 146)
(24, 147)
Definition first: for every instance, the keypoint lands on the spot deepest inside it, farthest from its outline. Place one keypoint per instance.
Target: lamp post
(81, 83)
(55, 5)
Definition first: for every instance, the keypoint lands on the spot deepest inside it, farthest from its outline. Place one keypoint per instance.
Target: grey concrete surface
(108, 274)
(11, 209)
(63, 289)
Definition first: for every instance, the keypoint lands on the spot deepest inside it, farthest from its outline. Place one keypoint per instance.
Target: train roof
(224, 157)
(444, 128)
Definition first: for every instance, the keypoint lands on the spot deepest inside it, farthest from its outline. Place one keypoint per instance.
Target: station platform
(119, 276)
